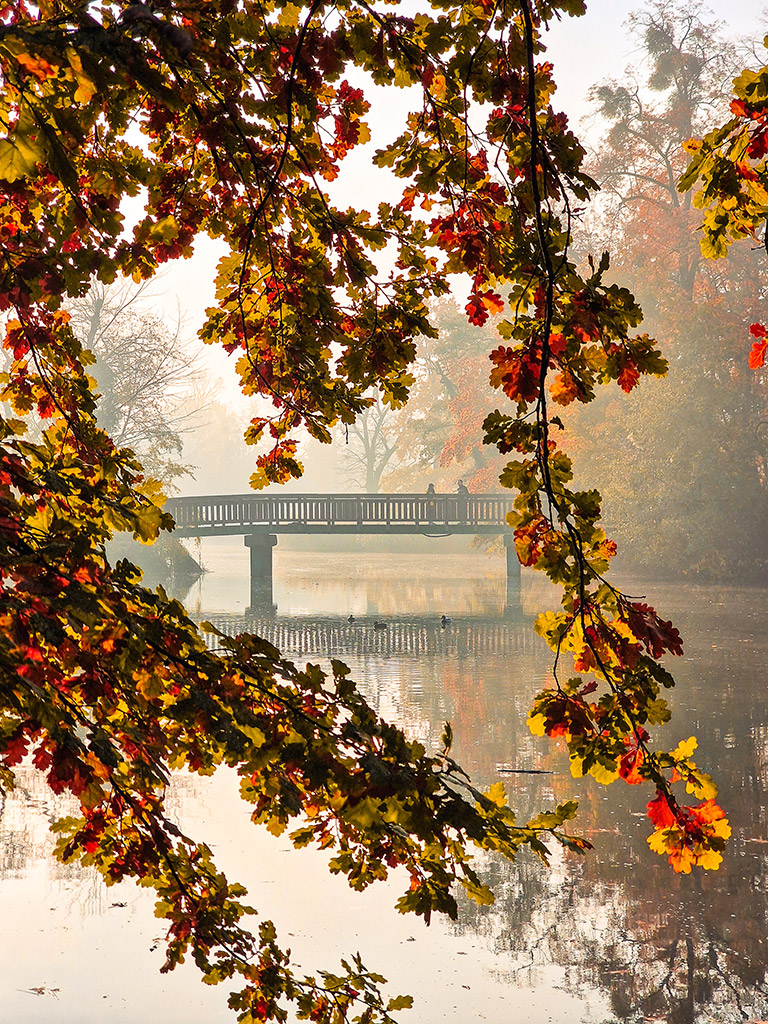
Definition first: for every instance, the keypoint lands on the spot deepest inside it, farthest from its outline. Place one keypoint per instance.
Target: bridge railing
(207, 514)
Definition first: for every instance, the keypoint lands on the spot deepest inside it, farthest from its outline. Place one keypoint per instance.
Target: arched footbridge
(261, 518)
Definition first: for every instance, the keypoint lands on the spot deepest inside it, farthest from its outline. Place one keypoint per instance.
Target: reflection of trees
(674, 969)
(16, 849)
(385, 585)
(679, 949)
(26, 815)
(658, 953)
(662, 948)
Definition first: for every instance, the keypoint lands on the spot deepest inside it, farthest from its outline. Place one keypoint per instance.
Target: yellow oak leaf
(86, 89)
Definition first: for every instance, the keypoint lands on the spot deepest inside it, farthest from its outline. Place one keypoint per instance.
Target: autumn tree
(692, 449)
(727, 179)
(151, 392)
(441, 427)
(437, 437)
(228, 119)
(674, 90)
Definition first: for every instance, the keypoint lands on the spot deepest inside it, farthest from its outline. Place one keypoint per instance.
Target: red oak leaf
(476, 311)
(660, 812)
(629, 376)
(757, 354)
(629, 765)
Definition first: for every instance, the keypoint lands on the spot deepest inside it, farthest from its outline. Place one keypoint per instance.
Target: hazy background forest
(681, 462)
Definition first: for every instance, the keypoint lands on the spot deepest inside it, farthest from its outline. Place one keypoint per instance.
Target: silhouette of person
(462, 491)
(431, 504)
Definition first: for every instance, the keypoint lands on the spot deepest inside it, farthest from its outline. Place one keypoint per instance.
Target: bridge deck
(436, 514)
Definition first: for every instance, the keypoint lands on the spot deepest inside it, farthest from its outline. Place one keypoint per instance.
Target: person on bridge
(463, 492)
(431, 503)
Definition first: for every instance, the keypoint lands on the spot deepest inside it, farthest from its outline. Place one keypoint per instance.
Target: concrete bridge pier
(260, 546)
(512, 604)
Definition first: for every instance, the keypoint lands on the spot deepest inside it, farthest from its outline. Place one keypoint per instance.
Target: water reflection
(664, 947)
(657, 945)
(613, 937)
(412, 637)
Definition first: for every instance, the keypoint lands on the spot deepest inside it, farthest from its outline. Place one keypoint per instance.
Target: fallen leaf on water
(42, 990)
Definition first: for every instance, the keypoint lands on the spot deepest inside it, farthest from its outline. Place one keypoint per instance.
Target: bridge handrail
(264, 510)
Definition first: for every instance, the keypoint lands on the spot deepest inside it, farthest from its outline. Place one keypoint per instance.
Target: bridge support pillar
(512, 604)
(260, 546)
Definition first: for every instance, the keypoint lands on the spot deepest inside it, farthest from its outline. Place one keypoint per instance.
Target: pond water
(615, 936)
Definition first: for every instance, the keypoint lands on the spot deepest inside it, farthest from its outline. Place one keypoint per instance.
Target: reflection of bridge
(260, 517)
(417, 636)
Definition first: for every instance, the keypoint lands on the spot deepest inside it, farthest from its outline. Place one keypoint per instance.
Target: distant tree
(441, 428)
(438, 436)
(371, 445)
(671, 94)
(151, 385)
